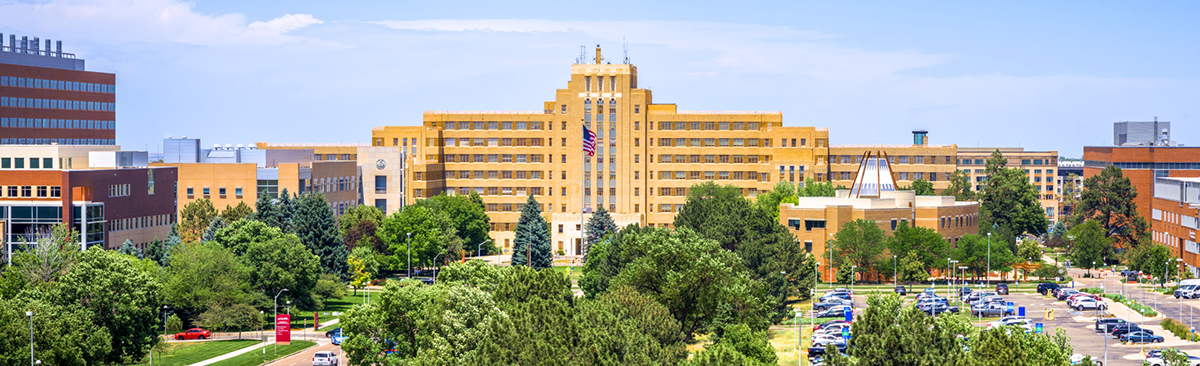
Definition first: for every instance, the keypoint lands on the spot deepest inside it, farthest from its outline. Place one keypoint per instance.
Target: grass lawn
(784, 340)
(255, 357)
(186, 353)
(575, 274)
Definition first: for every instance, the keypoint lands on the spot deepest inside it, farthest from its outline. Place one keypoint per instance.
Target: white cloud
(738, 48)
(117, 21)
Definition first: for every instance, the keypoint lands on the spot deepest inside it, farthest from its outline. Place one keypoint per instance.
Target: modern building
(108, 195)
(919, 161)
(47, 97)
(227, 175)
(321, 151)
(1175, 218)
(647, 154)
(1142, 165)
(1040, 166)
(383, 169)
(1142, 133)
(873, 196)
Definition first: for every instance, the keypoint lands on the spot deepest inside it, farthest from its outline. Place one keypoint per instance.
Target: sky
(1040, 75)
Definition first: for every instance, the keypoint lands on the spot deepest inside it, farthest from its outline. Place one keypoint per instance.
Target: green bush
(1092, 290)
(1142, 309)
(1178, 329)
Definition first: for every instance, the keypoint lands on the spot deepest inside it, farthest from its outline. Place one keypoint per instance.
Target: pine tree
(266, 211)
(287, 210)
(318, 230)
(216, 224)
(533, 237)
(599, 225)
(154, 250)
(128, 248)
(172, 241)
(235, 213)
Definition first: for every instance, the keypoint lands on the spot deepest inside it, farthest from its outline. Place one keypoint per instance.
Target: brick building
(47, 97)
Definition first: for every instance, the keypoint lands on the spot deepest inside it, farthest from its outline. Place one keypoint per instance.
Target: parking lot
(1080, 326)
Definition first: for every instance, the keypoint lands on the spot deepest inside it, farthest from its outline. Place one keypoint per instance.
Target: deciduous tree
(280, 263)
(858, 243)
(467, 213)
(431, 232)
(203, 275)
(358, 225)
(1010, 202)
(238, 236)
(960, 187)
(236, 213)
(121, 298)
(1090, 246)
(1108, 199)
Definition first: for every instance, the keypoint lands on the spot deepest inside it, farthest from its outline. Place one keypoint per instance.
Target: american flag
(589, 141)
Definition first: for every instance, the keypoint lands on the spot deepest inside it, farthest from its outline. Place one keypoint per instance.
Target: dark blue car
(1141, 336)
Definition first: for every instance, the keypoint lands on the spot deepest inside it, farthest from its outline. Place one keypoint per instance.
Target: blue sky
(1042, 75)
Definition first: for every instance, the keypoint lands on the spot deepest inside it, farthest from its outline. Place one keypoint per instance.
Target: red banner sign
(283, 329)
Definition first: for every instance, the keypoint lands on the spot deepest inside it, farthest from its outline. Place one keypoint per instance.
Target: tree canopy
(194, 219)
(1010, 202)
(1090, 246)
(316, 227)
(1107, 198)
(598, 225)
(468, 215)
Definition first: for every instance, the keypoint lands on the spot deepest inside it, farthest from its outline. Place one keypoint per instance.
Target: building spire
(598, 58)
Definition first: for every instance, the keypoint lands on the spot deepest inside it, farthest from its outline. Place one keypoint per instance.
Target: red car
(194, 333)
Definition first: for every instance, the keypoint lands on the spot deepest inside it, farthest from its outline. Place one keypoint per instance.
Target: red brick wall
(64, 75)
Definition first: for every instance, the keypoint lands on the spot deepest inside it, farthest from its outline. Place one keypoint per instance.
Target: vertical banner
(283, 329)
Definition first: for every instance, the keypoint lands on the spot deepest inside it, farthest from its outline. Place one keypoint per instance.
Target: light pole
(435, 265)
(829, 248)
(949, 276)
(989, 268)
(408, 244)
(852, 280)
(273, 319)
(895, 273)
(799, 358)
(30, 315)
(479, 248)
(964, 271)
(164, 332)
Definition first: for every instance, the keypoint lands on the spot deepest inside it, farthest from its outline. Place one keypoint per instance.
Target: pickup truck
(990, 310)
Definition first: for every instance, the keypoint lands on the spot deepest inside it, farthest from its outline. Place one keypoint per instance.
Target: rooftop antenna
(625, 48)
(582, 54)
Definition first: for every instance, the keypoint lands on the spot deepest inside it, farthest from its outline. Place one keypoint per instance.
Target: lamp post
(964, 272)
(30, 315)
(852, 280)
(949, 276)
(895, 273)
(273, 321)
(435, 265)
(479, 248)
(799, 326)
(989, 267)
(408, 244)
(829, 248)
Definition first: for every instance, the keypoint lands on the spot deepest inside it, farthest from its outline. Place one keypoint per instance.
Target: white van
(1188, 289)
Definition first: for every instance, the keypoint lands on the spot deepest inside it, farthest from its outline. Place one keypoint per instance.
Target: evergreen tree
(128, 248)
(194, 219)
(599, 225)
(215, 225)
(155, 250)
(266, 211)
(287, 210)
(318, 230)
(533, 237)
(1108, 198)
(172, 241)
(235, 213)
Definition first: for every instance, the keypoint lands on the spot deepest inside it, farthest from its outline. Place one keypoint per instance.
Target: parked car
(829, 323)
(822, 306)
(1090, 303)
(834, 330)
(814, 352)
(1105, 323)
(325, 358)
(833, 312)
(1046, 287)
(1012, 320)
(1188, 289)
(964, 291)
(990, 309)
(1002, 288)
(938, 308)
(901, 290)
(1064, 294)
(975, 296)
(1077, 359)
(836, 295)
(329, 334)
(194, 333)
(1120, 329)
(1141, 336)
(1154, 358)
(989, 300)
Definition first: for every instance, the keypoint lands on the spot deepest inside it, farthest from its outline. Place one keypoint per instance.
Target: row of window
(493, 125)
(489, 191)
(711, 175)
(710, 142)
(932, 176)
(487, 142)
(140, 222)
(57, 123)
(56, 104)
(958, 222)
(31, 192)
(612, 83)
(25, 141)
(333, 184)
(493, 158)
(1023, 162)
(206, 191)
(481, 174)
(894, 159)
(707, 126)
(19, 163)
(1138, 165)
(708, 159)
(57, 85)
(334, 157)
(118, 190)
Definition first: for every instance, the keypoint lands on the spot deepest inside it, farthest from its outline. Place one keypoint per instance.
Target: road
(305, 357)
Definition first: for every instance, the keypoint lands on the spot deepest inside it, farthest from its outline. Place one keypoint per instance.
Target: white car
(833, 330)
(1158, 361)
(1012, 320)
(1090, 303)
(325, 359)
(1078, 358)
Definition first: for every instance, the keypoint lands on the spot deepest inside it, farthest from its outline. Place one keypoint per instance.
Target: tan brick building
(647, 154)
(1040, 166)
(933, 163)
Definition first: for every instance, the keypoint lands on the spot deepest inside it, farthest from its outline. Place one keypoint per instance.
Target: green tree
(1155, 260)
(769, 201)
(698, 283)
(364, 266)
(1090, 247)
(1029, 251)
(912, 270)
(194, 219)
(929, 246)
(467, 213)
(173, 324)
(173, 240)
(318, 230)
(767, 249)
(238, 236)
(532, 244)
(858, 243)
(121, 298)
(287, 211)
(155, 250)
(358, 225)
(625, 327)
(281, 263)
(237, 213)
(267, 211)
(972, 251)
(607, 259)
(816, 189)
(328, 287)
(1010, 202)
(960, 187)
(1108, 199)
(203, 275)
(238, 317)
(65, 334)
(431, 231)
(214, 226)
(599, 225)
(128, 248)
(53, 255)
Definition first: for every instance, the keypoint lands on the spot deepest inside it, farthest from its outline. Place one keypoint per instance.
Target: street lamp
(435, 265)
(799, 358)
(479, 248)
(829, 248)
(273, 319)
(852, 280)
(895, 272)
(964, 271)
(989, 267)
(30, 315)
(408, 244)
(949, 276)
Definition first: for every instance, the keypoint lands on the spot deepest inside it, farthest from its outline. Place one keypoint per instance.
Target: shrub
(1142, 309)
(1178, 329)
(1092, 290)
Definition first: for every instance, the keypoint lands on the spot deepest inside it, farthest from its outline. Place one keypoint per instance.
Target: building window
(191, 191)
(237, 191)
(206, 191)
(221, 191)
